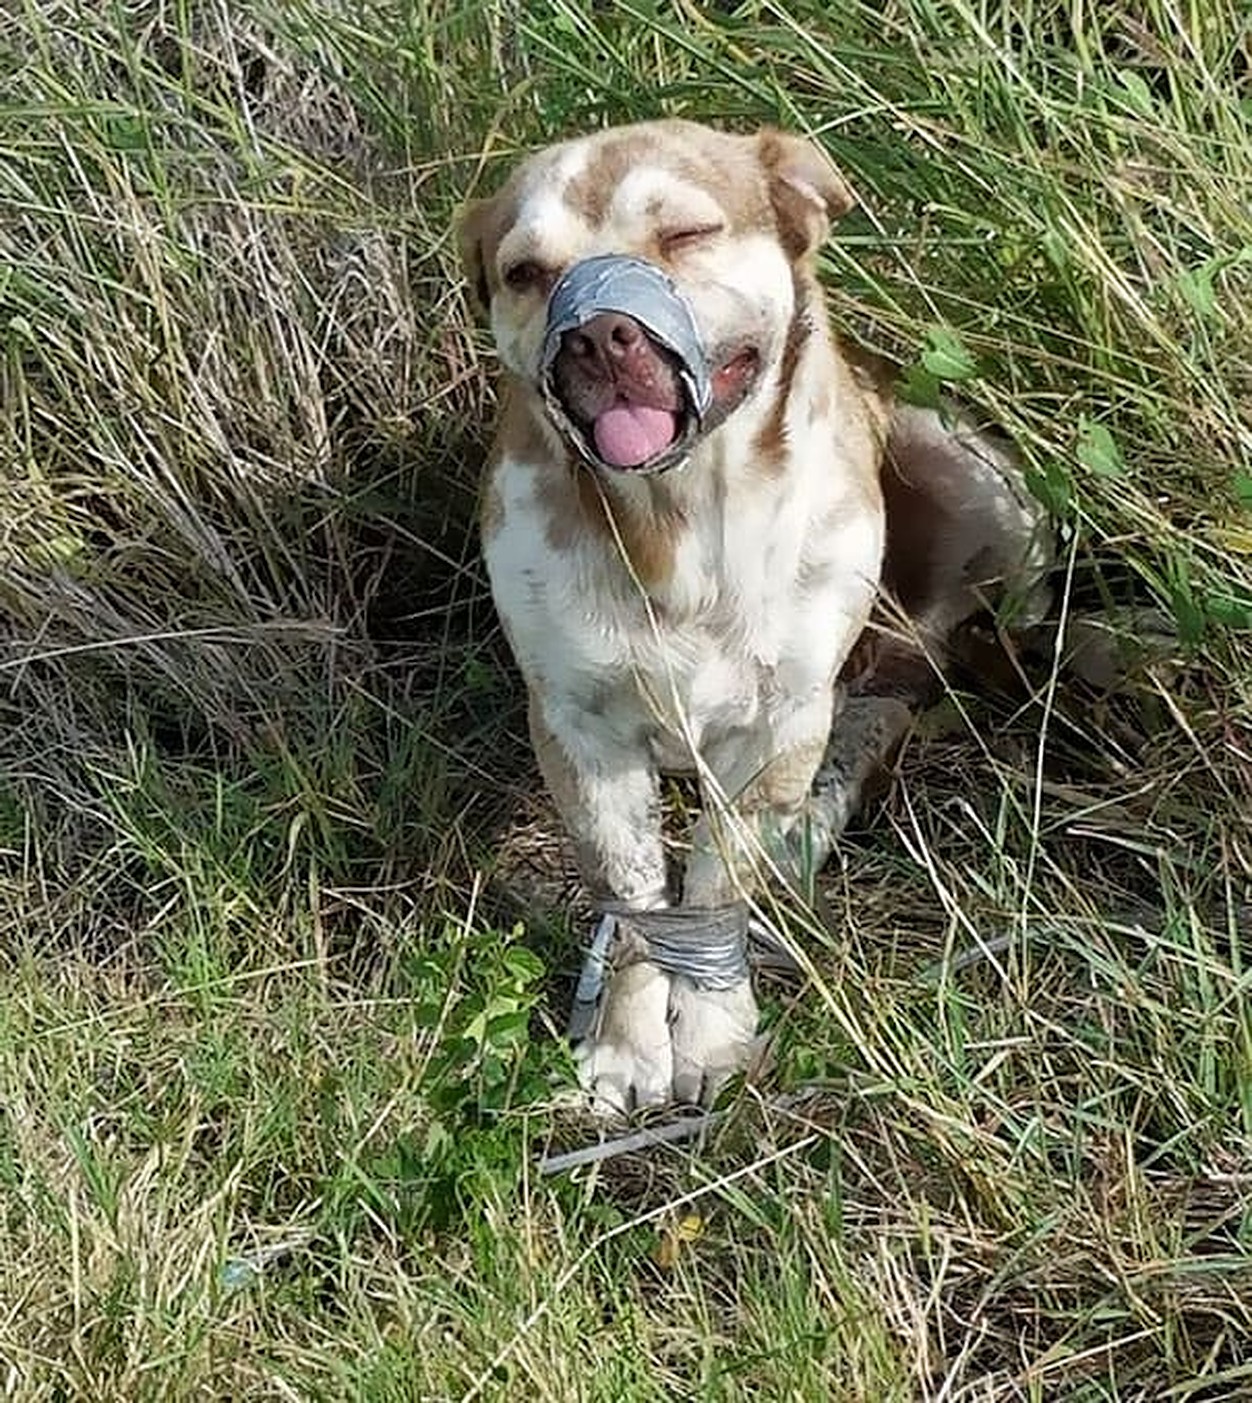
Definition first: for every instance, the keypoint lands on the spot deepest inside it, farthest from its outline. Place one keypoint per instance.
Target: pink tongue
(630, 434)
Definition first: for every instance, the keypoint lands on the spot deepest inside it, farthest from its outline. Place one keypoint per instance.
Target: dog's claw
(627, 1061)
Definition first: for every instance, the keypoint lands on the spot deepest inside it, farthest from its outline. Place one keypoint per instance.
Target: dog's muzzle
(632, 287)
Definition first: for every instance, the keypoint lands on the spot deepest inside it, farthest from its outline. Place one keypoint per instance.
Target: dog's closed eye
(684, 237)
(528, 275)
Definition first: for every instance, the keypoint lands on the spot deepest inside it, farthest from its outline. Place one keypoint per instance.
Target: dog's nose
(610, 337)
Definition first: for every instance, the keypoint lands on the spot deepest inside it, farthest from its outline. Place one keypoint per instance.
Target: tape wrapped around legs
(707, 945)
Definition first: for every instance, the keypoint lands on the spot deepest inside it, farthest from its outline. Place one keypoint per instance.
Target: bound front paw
(626, 1061)
(712, 1036)
(675, 1018)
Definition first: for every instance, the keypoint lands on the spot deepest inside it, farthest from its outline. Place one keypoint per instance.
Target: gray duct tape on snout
(635, 288)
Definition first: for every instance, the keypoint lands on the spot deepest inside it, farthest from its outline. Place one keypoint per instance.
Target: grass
(286, 926)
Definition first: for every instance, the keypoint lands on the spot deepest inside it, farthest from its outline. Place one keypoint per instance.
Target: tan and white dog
(697, 618)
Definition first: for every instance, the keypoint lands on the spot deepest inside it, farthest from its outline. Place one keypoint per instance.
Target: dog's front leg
(866, 732)
(755, 788)
(607, 792)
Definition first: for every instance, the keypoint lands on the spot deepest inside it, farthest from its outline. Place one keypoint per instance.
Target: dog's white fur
(696, 620)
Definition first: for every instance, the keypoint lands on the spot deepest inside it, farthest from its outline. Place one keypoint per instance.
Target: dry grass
(275, 1064)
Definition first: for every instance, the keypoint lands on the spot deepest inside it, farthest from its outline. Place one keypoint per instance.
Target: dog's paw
(864, 736)
(712, 1035)
(627, 1061)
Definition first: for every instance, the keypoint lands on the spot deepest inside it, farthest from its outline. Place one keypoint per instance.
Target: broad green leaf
(1196, 287)
(919, 387)
(1051, 486)
(1138, 94)
(1097, 449)
(1185, 607)
(1228, 611)
(1056, 249)
(946, 356)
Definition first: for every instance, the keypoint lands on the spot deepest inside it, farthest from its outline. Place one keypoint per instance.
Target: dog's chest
(746, 613)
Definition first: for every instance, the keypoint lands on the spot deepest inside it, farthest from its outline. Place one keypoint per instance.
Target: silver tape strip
(591, 980)
(639, 289)
(708, 945)
(618, 283)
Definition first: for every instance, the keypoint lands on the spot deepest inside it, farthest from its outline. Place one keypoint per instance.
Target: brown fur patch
(723, 166)
(576, 503)
(522, 434)
(569, 504)
(916, 517)
(875, 377)
(649, 539)
(590, 193)
(520, 427)
(771, 439)
(875, 374)
(728, 170)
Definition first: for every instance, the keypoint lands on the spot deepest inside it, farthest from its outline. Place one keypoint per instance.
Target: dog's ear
(471, 227)
(806, 190)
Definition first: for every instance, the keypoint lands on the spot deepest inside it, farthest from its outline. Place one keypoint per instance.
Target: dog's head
(641, 281)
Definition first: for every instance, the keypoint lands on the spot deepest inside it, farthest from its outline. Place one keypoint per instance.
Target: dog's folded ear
(470, 226)
(806, 190)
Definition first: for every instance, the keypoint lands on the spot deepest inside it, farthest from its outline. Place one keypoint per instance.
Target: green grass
(286, 926)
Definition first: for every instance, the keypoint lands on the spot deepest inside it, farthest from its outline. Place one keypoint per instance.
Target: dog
(694, 500)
